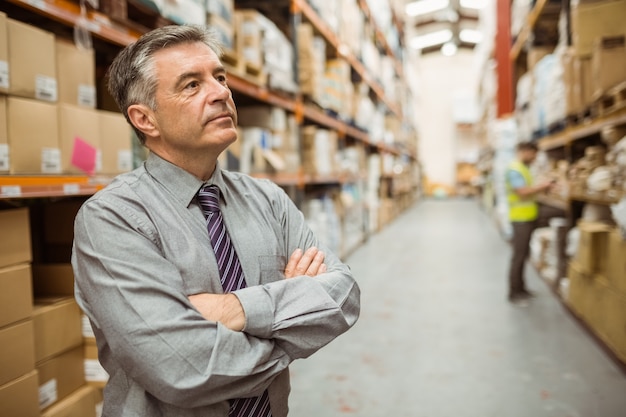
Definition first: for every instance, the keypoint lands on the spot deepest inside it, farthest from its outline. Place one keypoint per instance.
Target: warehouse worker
(523, 214)
(201, 285)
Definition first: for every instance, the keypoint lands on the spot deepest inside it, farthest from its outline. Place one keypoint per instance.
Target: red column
(503, 61)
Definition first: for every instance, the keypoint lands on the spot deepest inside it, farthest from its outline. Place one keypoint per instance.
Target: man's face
(195, 109)
(528, 156)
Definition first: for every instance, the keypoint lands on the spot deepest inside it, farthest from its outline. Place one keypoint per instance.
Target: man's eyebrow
(185, 76)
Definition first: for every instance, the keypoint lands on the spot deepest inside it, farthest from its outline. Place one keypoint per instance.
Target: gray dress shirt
(141, 247)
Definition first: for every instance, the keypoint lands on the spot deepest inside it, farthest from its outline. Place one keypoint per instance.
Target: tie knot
(209, 198)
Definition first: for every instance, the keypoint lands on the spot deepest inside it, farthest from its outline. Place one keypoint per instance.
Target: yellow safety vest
(521, 210)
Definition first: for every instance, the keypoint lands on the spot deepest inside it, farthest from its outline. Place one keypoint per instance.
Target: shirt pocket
(272, 268)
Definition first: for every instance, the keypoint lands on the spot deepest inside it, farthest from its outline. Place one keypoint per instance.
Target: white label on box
(124, 160)
(98, 167)
(10, 191)
(45, 88)
(48, 394)
(4, 156)
(94, 372)
(87, 95)
(71, 189)
(51, 160)
(4, 74)
(40, 4)
(99, 409)
(86, 327)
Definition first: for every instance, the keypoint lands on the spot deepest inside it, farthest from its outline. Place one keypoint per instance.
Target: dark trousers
(520, 244)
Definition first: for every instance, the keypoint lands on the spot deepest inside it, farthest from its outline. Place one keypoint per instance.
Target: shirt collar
(180, 183)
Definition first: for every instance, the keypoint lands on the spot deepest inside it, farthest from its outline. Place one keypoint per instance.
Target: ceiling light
(420, 7)
(431, 39)
(471, 36)
(473, 4)
(449, 49)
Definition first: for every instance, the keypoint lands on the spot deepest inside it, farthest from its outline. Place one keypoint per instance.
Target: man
(201, 285)
(523, 213)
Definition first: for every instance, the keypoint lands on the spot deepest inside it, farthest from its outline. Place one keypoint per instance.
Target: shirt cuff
(258, 309)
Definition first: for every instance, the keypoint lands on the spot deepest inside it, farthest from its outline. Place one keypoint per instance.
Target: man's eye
(222, 78)
(192, 84)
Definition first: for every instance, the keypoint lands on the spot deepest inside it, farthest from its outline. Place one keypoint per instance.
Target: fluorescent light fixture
(473, 4)
(471, 36)
(431, 39)
(449, 49)
(420, 7)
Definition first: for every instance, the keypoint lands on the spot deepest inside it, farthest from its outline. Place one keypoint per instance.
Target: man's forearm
(222, 308)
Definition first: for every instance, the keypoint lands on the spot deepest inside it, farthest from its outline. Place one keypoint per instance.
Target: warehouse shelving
(102, 27)
(525, 32)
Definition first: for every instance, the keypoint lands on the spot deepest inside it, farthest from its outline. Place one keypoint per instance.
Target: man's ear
(142, 117)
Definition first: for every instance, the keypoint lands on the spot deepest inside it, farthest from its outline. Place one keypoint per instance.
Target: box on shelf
(32, 62)
(79, 138)
(16, 299)
(224, 9)
(592, 247)
(311, 62)
(17, 351)
(60, 376)
(20, 397)
(4, 54)
(53, 280)
(4, 136)
(34, 147)
(249, 37)
(224, 30)
(95, 374)
(185, 11)
(616, 257)
(616, 323)
(76, 72)
(590, 20)
(608, 63)
(15, 245)
(115, 142)
(80, 403)
(57, 322)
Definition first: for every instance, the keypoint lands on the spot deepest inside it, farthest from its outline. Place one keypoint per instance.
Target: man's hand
(224, 308)
(309, 263)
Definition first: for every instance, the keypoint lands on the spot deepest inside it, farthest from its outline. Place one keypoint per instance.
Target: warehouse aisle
(437, 338)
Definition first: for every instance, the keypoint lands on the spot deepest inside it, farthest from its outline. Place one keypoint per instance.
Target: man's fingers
(290, 269)
(316, 263)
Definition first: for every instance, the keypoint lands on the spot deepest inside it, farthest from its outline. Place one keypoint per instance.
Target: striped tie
(232, 278)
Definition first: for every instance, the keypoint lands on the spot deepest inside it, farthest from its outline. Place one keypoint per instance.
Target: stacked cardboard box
(597, 283)
(18, 379)
(50, 80)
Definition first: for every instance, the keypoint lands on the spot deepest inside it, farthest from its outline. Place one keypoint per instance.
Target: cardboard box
(95, 374)
(59, 376)
(616, 324)
(81, 403)
(115, 143)
(16, 299)
(79, 138)
(34, 147)
(53, 280)
(17, 351)
(4, 54)
(20, 397)
(249, 36)
(76, 71)
(596, 19)
(57, 324)
(33, 62)
(224, 30)
(608, 63)
(616, 267)
(592, 247)
(15, 245)
(223, 8)
(4, 136)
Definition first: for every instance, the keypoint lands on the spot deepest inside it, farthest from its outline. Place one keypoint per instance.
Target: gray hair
(131, 76)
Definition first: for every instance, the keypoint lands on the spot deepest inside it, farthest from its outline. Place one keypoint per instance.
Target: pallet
(236, 64)
(611, 101)
(134, 14)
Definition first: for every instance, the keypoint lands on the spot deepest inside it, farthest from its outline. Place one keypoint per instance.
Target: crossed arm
(226, 308)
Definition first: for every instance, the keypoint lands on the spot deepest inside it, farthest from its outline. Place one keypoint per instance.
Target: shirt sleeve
(302, 314)
(136, 300)
(515, 179)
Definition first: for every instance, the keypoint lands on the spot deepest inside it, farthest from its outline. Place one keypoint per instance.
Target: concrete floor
(437, 338)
